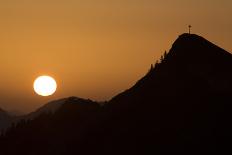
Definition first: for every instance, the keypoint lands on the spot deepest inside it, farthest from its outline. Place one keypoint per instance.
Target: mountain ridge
(182, 105)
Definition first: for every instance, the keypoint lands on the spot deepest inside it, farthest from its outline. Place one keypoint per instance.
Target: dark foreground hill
(183, 105)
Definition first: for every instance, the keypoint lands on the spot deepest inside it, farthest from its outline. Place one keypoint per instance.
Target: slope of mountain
(192, 63)
(182, 105)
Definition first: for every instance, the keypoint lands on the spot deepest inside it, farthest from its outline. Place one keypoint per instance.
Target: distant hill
(182, 105)
(49, 108)
(5, 120)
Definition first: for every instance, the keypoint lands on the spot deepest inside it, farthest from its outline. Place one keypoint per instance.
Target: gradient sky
(95, 48)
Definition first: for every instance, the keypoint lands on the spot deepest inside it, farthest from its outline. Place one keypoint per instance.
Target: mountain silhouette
(192, 63)
(182, 105)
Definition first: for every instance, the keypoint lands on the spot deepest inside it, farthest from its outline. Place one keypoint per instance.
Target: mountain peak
(192, 46)
(188, 38)
(191, 49)
(188, 41)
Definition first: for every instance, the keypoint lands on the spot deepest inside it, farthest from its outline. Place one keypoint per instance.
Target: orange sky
(95, 48)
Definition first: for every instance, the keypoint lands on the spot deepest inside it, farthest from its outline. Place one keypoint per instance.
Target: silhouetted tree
(165, 55)
(161, 58)
(152, 67)
(156, 64)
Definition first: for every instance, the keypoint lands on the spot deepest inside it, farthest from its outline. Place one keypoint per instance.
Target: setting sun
(45, 85)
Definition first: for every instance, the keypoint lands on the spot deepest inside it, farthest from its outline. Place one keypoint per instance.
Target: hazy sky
(95, 48)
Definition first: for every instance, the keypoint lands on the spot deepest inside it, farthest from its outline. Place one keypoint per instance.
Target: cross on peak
(189, 29)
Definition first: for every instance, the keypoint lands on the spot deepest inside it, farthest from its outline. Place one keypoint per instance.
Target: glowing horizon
(96, 48)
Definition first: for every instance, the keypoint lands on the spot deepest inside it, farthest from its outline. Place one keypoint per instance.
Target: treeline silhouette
(182, 105)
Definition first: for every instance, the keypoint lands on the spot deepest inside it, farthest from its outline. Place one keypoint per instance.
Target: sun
(45, 85)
